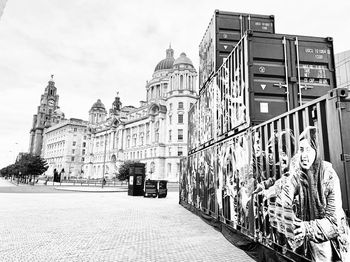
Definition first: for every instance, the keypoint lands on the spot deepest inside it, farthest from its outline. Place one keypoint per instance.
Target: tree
(31, 166)
(123, 171)
(9, 170)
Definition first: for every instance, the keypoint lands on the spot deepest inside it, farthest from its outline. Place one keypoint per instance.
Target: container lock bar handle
(284, 42)
(241, 22)
(298, 69)
(249, 22)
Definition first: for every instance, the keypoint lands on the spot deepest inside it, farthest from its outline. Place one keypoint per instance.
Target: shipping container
(267, 157)
(269, 74)
(223, 33)
(264, 76)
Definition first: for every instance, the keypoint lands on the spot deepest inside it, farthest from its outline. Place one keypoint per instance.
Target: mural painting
(274, 187)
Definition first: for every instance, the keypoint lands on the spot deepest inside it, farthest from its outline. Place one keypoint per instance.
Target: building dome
(183, 59)
(166, 63)
(98, 104)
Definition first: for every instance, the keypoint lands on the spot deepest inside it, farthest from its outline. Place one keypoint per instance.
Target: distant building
(47, 115)
(103, 145)
(154, 133)
(342, 65)
(64, 147)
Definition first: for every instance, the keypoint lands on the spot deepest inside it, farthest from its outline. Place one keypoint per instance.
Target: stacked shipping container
(233, 144)
(223, 33)
(264, 76)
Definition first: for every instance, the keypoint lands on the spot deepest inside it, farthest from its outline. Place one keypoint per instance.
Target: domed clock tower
(44, 117)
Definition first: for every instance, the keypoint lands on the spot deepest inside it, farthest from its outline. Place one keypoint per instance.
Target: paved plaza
(106, 226)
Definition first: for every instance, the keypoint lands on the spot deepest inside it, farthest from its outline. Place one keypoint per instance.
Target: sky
(96, 48)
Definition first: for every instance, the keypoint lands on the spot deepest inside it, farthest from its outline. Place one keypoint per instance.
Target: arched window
(158, 91)
(181, 82)
(156, 132)
(173, 83)
(153, 168)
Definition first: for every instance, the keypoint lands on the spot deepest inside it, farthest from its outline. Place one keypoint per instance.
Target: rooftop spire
(170, 52)
(51, 82)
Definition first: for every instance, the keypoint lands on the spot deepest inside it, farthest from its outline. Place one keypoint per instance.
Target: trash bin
(162, 188)
(136, 179)
(151, 188)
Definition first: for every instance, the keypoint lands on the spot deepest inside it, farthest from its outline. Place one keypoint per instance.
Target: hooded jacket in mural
(318, 192)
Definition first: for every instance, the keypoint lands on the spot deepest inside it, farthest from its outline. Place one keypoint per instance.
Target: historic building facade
(154, 133)
(64, 147)
(48, 114)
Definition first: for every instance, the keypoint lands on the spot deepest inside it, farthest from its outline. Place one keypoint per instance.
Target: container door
(269, 78)
(207, 55)
(314, 69)
(229, 30)
(338, 118)
(231, 93)
(344, 114)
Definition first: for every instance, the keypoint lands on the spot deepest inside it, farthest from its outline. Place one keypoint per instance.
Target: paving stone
(106, 227)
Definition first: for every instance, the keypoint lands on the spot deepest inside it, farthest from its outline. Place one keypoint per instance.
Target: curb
(89, 190)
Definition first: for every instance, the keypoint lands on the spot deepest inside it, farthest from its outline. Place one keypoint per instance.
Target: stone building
(64, 147)
(155, 133)
(48, 114)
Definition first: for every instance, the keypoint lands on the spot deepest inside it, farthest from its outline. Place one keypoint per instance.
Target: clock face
(51, 102)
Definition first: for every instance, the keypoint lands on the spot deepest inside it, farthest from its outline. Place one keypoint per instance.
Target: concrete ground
(83, 226)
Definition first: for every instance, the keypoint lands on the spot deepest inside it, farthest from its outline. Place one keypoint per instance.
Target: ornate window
(180, 135)
(179, 151)
(180, 118)
(134, 138)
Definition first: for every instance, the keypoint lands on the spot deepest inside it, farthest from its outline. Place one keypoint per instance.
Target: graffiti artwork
(193, 127)
(232, 87)
(232, 180)
(275, 187)
(206, 102)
